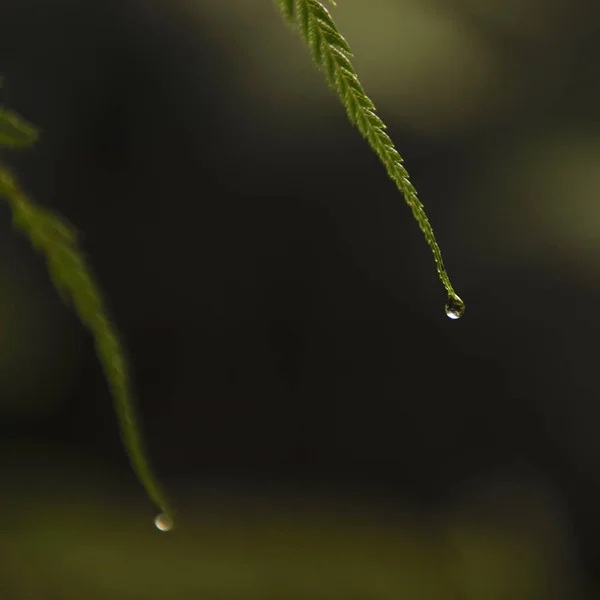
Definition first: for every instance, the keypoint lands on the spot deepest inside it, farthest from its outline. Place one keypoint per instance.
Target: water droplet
(163, 522)
(455, 307)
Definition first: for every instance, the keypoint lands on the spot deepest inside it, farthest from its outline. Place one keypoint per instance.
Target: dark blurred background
(322, 426)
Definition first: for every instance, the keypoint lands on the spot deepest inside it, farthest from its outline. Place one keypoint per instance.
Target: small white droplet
(163, 522)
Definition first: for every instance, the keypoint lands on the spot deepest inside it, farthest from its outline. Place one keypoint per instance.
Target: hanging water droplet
(455, 307)
(163, 522)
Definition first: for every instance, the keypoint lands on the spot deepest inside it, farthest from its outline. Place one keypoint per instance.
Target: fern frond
(57, 241)
(331, 53)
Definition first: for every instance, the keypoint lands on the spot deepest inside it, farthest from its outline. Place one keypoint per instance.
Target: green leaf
(331, 53)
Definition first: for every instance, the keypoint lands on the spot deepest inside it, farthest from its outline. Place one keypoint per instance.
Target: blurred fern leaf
(57, 240)
(15, 132)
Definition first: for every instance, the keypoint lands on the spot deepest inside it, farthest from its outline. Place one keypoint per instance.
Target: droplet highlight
(455, 308)
(163, 522)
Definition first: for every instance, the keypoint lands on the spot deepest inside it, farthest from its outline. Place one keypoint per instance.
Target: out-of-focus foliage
(506, 539)
(15, 132)
(25, 357)
(57, 241)
(545, 200)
